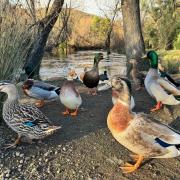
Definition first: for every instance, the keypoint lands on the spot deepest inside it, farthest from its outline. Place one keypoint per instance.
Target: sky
(89, 6)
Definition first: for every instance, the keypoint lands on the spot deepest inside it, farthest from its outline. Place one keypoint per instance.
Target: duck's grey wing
(39, 93)
(155, 129)
(44, 86)
(168, 86)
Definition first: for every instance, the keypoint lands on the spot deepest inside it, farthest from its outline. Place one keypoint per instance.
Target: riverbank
(84, 148)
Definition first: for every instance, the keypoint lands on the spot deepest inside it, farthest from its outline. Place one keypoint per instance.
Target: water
(57, 68)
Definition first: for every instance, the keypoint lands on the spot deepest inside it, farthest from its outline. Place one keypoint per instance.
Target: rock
(17, 154)
(21, 161)
(55, 152)
(21, 155)
(46, 154)
(20, 166)
(27, 158)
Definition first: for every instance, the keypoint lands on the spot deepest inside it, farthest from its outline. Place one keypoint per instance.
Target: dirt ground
(84, 148)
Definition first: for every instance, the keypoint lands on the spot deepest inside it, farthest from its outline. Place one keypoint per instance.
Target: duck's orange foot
(157, 107)
(66, 112)
(129, 168)
(74, 113)
(40, 103)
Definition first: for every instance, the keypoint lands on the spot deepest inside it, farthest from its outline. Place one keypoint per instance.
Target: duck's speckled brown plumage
(25, 119)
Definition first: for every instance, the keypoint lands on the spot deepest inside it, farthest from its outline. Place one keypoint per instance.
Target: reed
(15, 42)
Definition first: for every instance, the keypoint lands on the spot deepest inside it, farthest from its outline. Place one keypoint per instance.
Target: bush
(177, 43)
(15, 42)
(170, 60)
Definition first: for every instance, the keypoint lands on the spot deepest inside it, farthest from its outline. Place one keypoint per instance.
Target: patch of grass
(170, 60)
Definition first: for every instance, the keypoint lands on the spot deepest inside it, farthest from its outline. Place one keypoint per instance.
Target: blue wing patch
(162, 143)
(29, 123)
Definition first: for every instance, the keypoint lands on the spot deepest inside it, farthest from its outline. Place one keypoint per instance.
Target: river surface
(54, 68)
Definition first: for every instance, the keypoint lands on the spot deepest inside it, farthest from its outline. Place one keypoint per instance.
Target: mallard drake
(70, 98)
(40, 90)
(157, 86)
(117, 92)
(25, 119)
(137, 76)
(140, 133)
(91, 78)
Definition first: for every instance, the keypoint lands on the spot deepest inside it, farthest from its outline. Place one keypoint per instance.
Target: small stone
(46, 160)
(17, 154)
(58, 171)
(19, 169)
(21, 161)
(21, 155)
(64, 149)
(7, 175)
(27, 158)
(55, 152)
(20, 166)
(46, 154)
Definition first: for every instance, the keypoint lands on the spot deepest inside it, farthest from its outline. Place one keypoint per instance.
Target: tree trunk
(134, 43)
(108, 43)
(45, 26)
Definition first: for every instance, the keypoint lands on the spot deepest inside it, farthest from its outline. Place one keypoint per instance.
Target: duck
(40, 91)
(104, 76)
(137, 76)
(162, 90)
(91, 77)
(70, 98)
(140, 133)
(116, 93)
(25, 119)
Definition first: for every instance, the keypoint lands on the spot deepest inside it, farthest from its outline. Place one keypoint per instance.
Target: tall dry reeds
(15, 41)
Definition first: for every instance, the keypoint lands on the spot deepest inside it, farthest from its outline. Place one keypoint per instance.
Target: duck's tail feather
(51, 129)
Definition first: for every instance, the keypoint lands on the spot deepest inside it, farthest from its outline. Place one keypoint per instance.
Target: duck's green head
(98, 57)
(153, 57)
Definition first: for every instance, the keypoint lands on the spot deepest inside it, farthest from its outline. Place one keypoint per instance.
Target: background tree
(44, 27)
(134, 43)
(161, 23)
(110, 12)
